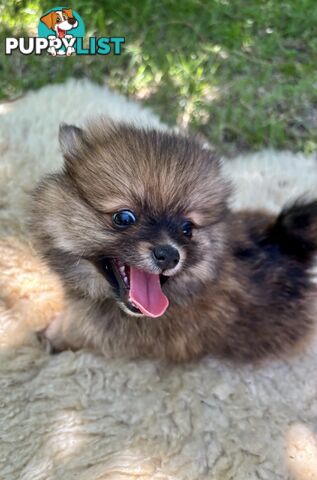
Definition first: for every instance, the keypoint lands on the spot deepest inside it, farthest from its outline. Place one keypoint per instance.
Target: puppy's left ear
(68, 12)
(71, 140)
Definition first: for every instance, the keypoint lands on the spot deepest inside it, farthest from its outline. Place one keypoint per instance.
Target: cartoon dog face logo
(61, 21)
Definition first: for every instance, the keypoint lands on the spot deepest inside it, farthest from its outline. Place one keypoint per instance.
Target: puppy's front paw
(44, 341)
(52, 51)
(69, 51)
(51, 337)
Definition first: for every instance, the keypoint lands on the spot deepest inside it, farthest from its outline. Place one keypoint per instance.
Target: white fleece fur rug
(78, 416)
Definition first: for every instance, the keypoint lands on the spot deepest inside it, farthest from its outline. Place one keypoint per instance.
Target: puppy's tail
(295, 230)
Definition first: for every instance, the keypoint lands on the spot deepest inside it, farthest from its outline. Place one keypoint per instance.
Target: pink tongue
(61, 33)
(146, 293)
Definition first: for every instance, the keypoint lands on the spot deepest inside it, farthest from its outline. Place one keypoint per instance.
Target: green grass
(241, 73)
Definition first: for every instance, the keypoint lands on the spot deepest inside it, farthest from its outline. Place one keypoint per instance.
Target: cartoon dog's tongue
(146, 293)
(61, 33)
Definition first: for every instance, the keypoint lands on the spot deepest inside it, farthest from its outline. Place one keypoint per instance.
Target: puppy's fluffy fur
(241, 287)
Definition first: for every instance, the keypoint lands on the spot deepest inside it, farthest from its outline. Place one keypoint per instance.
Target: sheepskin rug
(79, 416)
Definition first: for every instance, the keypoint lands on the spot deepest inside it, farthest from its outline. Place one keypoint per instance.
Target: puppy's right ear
(71, 140)
(49, 19)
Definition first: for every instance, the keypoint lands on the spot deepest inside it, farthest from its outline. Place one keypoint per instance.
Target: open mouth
(140, 291)
(60, 32)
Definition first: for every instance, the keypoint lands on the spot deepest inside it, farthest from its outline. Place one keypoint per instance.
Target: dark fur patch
(295, 230)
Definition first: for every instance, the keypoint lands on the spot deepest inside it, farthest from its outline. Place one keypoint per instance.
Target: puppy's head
(137, 214)
(60, 21)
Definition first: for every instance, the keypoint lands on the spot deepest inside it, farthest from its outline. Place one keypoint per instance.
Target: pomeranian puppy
(153, 261)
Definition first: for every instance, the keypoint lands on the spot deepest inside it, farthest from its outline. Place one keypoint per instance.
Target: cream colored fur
(78, 416)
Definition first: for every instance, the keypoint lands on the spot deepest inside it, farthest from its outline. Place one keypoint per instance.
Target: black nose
(72, 20)
(166, 256)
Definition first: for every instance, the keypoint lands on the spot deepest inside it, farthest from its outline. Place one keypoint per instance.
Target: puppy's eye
(124, 218)
(58, 20)
(187, 228)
